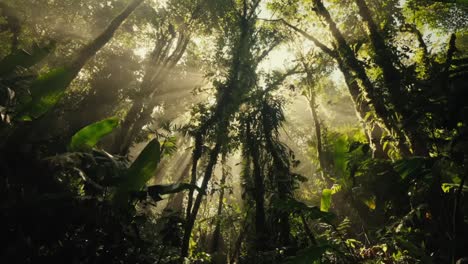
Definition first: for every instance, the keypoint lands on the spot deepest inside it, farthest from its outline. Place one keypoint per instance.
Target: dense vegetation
(234, 131)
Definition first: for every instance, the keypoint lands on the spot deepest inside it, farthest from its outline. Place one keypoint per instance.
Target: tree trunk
(161, 62)
(260, 224)
(393, 81)
(237, 246)
(373, 131)
(347, 61)
(217, 231)
(361, 105)
(237, 84)
(193, 215)
(196, 155)
(283, 182)
(92, 48)
(311, 98)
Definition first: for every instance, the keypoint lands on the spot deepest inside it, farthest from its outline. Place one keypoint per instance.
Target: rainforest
(234, 131)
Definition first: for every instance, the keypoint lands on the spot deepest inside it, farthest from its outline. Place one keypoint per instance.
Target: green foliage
(447, 187)
(291, 205)
(89, 136)
(412, 168)
(312, 255)
(97, 208)
(24, 59)
(326, 200)
(46, 91)
(141, 170)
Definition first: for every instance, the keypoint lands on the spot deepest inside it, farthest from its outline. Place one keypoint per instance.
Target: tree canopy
(234, 131)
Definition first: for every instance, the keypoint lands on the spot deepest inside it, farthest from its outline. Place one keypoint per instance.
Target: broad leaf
(89, 136)
(46, 91)
(141, 170)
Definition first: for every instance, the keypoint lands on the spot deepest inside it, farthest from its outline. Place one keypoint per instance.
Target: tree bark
(196, 206)
(217, 231)
(160, 63)
(374, 132)
(283, 181)
(92, 48)
(260, 219)
(393, 80)
(237, 84)
(347, 61)
(243, 231)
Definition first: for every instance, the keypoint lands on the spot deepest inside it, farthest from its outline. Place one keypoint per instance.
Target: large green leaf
(89, 136)
(46, 91)
(325, 201)
(340, 153)
(22, 58)
(141, 170)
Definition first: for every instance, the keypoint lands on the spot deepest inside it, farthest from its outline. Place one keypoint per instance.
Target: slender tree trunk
(217, 231)
(260, 224)
(243, 231)
(318, 133)
(196, 155)
(238, 83)
(159, 66)
(347, 61)
(283, 182)
(196, 206)
(359, 96)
